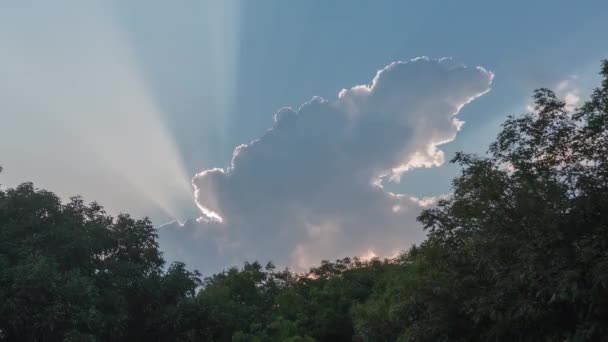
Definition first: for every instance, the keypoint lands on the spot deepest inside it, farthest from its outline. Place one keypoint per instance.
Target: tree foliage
(519, 252)
(71, 272)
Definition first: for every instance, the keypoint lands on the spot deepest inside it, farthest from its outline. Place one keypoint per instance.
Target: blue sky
(125, 101)
(289, 51)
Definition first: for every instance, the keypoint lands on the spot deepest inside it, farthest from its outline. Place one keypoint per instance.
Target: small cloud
(567, 90)
(572, 100)
(368, 255)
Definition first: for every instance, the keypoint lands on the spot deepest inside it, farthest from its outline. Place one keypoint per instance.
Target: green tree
(72, 272)
(528, 225)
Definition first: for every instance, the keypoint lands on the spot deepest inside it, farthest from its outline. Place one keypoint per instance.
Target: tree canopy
(518, 252)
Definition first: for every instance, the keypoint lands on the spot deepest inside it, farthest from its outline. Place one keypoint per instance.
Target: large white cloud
(310, 188)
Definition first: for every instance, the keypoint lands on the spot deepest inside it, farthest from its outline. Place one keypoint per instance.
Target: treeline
(518, 253)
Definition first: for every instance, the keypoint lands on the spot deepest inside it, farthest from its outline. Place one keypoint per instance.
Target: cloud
(311, 187)
(567, 90)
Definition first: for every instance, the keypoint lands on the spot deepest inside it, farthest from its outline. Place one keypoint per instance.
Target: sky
(287, 130)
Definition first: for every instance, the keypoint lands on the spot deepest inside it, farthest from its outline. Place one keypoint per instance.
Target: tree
(528, 225)
(72, 272)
